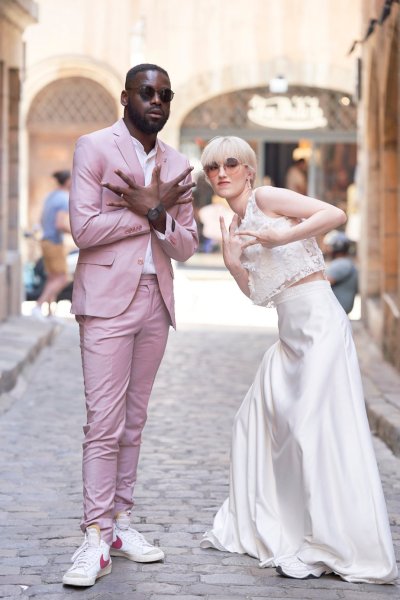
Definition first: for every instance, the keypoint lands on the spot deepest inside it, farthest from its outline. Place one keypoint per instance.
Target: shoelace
(135, 536)
(85, 556)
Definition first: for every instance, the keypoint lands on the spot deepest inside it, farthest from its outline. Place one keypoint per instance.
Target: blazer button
(140, 261)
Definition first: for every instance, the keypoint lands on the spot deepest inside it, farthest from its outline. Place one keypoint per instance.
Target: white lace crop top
(273, 270)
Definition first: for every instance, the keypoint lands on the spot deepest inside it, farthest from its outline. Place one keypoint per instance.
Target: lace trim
(273, 270)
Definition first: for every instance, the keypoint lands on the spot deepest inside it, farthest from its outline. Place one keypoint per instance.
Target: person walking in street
(55, 222)
(131, 213)
(341, 271)
(296, 176)
(305, 493)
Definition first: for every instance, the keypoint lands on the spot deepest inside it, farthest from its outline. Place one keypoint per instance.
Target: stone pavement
(183, 478)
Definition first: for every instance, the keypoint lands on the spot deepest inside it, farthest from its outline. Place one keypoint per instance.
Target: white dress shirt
(148, 162)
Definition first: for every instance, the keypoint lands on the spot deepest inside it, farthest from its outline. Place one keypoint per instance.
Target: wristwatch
(154, 213)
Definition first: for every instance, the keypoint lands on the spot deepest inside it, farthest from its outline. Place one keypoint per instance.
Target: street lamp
(278, 85)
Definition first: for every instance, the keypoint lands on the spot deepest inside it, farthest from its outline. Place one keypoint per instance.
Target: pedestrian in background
(202, 196)
(54, 223)
(341, 271)
(296, 176)
(210, 217)
(305, 494)
(131, 213)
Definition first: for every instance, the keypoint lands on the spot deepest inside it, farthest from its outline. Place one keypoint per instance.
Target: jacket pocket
(104, 258)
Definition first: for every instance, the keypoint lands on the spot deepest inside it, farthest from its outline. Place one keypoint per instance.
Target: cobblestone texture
(183, 479)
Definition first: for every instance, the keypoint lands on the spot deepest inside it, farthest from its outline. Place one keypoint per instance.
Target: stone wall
(380, 160)
(14, 18)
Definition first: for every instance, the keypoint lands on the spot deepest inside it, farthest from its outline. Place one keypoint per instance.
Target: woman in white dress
(305, 494)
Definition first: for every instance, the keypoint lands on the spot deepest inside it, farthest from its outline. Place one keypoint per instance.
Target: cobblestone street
(183, 478)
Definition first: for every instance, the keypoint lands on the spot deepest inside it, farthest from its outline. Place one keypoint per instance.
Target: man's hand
(139, 199)
(172, 192)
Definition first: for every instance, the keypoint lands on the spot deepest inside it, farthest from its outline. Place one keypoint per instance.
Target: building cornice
(20, 13)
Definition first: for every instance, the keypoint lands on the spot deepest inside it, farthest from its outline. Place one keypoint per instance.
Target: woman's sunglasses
(147, 92)
(230, 166)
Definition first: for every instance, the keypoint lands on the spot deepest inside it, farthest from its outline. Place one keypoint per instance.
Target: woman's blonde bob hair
(220, 148)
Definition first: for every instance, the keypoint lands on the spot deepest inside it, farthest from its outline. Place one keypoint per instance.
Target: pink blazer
(112, 242)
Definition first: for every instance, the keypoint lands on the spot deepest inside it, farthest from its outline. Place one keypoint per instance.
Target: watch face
(152, 214)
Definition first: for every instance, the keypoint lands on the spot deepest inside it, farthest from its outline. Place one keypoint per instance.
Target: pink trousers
(120, 359)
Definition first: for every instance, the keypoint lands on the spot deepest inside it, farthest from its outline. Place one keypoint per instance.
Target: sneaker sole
(77, 582)
(140, 558)
(309, 576)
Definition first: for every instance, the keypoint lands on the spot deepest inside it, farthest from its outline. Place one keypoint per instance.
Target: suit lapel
(124, 144)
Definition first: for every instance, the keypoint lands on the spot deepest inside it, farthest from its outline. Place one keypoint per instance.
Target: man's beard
(141, 122)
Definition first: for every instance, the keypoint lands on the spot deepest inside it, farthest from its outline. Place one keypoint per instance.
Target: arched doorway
(319, 123)
(60, 113)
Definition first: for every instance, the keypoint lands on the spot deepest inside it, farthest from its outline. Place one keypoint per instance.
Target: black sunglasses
(147, 92)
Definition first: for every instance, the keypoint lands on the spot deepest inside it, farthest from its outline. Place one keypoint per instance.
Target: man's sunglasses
(230, 166)
(147, 92)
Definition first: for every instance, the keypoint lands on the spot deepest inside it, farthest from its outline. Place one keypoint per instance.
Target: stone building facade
(379, 135)
(222, 58)
(15, 16)
(216, 54)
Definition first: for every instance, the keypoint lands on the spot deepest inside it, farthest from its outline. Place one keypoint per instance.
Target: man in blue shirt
(55, 222)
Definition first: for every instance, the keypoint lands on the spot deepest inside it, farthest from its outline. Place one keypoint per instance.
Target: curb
(21, 340)
(381, 383)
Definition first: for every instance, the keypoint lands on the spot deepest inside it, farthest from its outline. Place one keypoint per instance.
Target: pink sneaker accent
(91, 561)
(104, 563)
(131, 544)
(117, 544)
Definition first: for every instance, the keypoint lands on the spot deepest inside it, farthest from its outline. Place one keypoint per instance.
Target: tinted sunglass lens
(211, 169)
(231, 163)
(147, 92)
(166, 95)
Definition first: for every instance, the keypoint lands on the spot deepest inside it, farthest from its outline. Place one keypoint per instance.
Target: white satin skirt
(304, 480)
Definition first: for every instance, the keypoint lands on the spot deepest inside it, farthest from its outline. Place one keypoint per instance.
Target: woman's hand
(232, 245)
(268, 238)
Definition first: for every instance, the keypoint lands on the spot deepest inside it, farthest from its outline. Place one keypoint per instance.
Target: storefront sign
(282, 112)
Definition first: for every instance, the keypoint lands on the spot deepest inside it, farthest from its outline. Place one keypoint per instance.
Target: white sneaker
(37, 313)
(91, 561)
(131, 544)
(291, 566)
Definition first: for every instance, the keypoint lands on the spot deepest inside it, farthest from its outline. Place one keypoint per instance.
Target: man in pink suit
(131, 213)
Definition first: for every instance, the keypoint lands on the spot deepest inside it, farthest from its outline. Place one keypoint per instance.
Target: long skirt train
(304, 480)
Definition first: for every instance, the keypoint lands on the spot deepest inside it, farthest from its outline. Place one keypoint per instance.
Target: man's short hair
(131, 74)
(62, 176)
